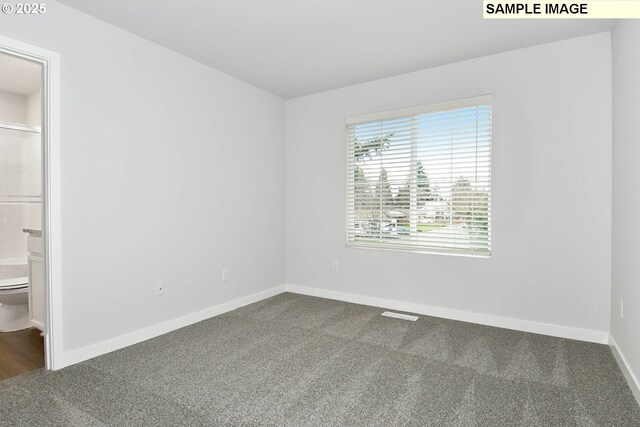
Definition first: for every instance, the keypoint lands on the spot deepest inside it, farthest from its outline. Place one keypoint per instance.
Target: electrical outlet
(621, 308)
(160, 288)
(225, 274)
(336, 266)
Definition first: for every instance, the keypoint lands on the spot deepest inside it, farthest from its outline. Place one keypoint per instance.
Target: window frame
(411, 113)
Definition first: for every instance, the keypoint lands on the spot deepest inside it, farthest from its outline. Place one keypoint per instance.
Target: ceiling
(19, 76)
(297, 47)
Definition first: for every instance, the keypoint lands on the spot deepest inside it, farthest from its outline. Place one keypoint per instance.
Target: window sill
(370, 246)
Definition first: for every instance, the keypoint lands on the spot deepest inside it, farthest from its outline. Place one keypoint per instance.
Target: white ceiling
(18, 75)
(297, 47)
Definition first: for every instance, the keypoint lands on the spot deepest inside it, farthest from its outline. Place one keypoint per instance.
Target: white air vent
(400, 316)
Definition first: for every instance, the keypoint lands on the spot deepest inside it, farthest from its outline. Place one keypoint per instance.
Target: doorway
(30, 294)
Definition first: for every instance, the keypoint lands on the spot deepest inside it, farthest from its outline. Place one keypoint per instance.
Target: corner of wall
(632, 380)
(625, 252)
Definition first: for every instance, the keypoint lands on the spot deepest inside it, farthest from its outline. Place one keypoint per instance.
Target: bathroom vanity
(36, 278)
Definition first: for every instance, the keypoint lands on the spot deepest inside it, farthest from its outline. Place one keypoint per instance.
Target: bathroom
(22, 284)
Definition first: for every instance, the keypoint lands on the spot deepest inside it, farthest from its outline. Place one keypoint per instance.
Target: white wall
(551, 216)
(170, 171)
(626, 196)
(13, 107)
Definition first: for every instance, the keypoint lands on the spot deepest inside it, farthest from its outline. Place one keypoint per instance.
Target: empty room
(319, 213)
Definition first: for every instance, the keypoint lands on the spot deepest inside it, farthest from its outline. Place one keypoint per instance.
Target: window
(419, 179)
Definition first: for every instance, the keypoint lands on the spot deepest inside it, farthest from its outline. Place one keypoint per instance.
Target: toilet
(14, 304)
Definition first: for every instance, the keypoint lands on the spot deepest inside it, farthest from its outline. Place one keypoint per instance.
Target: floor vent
(400, 316)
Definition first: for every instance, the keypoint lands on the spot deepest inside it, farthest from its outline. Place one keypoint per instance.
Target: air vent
(400, 316)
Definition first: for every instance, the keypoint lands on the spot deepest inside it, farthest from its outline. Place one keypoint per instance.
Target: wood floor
(20, 352)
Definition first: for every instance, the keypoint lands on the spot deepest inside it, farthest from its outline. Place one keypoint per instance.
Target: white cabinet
(36, 281)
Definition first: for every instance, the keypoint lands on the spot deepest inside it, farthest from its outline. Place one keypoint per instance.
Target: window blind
(419, 179)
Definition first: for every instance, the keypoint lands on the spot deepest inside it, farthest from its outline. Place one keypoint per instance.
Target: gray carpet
(301, 361)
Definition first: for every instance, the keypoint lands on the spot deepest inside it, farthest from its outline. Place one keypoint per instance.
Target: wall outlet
(336, 266)
(225, 274)
(621, 308)
(160, 288)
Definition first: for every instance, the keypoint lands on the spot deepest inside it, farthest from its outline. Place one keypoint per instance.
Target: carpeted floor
(296, 361)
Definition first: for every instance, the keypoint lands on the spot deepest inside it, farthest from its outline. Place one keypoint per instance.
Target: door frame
(51, 206)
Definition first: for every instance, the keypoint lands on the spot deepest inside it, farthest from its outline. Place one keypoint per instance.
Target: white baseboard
(632, 380)
(85, 353)
(89, 352)
(599, 337)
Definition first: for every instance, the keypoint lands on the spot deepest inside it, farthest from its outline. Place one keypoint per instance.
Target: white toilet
(14, 304)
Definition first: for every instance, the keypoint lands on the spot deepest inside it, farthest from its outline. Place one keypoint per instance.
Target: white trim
(89, 352)
(13, 261)
(421, 109)
(51, 218)
(379, 247)
(632, 380)
(600, 337)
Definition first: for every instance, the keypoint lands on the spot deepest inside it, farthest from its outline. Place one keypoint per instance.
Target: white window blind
(419, 179)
